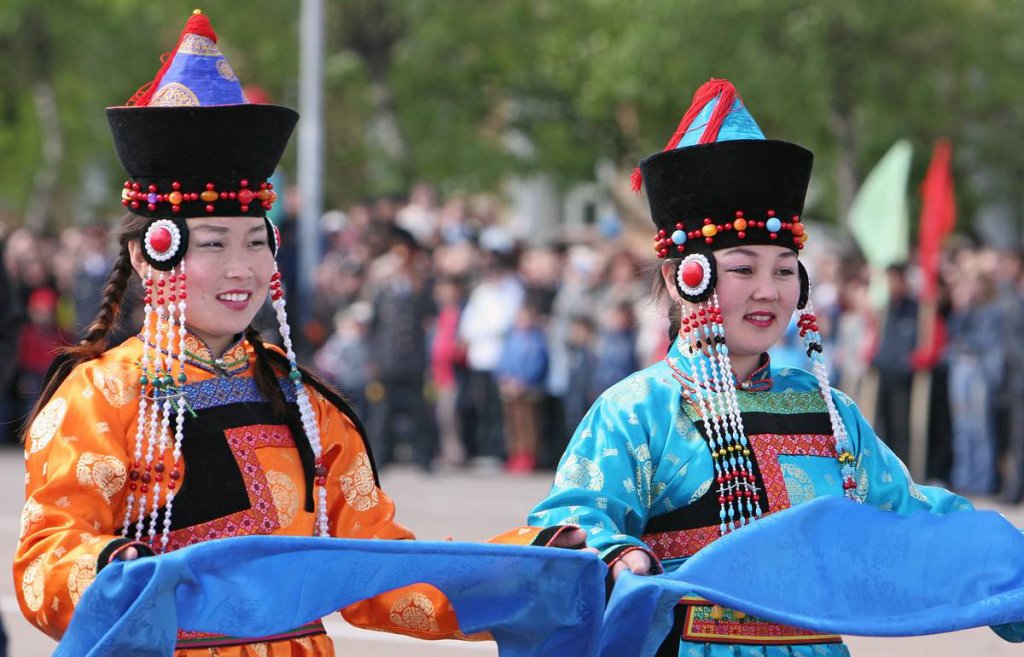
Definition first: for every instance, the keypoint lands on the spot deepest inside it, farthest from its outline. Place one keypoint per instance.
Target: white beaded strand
(309, 424)
(140, 431)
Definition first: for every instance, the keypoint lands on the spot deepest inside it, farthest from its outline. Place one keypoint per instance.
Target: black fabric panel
(685, 185)
(213, 486)
(705, 511)
(782, 424)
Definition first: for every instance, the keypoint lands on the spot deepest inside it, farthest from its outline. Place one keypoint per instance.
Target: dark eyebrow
(222, 229)
(750, 254)
(741, 251)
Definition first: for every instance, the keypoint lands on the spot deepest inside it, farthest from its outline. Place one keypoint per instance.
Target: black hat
(719, 183)
(191, 143)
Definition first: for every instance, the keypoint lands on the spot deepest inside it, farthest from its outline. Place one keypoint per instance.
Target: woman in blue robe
(714, 436)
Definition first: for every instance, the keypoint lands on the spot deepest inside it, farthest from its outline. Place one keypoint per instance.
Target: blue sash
(827, 565)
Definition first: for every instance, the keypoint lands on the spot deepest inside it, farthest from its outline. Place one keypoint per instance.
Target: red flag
(938, 215)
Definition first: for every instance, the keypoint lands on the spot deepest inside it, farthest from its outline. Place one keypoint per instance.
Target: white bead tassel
(153, 420)
(140, 431)
(309, 423)
(721, 352)
(182, 408)
(709, 417)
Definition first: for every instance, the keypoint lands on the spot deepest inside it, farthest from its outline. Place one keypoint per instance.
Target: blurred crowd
(464, 344)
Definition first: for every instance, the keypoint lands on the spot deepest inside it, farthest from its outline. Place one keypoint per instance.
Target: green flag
(879, 219)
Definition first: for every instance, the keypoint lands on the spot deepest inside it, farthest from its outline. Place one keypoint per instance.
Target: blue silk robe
(638, 474)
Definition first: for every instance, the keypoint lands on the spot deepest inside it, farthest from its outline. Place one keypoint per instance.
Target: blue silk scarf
(827, 565)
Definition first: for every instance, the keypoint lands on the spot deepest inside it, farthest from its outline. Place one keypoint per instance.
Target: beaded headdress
(192, 146)
(719, 184)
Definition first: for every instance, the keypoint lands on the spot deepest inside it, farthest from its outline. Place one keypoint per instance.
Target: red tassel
(704, 95)
(718, 115)
(197, 24)
(636, 180)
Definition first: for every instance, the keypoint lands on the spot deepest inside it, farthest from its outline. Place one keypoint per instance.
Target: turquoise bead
(773, 225)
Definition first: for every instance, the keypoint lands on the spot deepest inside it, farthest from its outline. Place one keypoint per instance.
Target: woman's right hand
(128, 554)
(635, 561)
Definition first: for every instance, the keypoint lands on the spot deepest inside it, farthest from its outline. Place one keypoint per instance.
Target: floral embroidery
(31, 513)
(578, 472)
(116, 388)
(414, 611)
(46, 424)
(358, 485)
(105, 474)
(799, 487)
(32, 584)
(80, 576)
(285, 494)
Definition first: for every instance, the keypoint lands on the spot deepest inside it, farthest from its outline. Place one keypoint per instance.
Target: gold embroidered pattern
(579, 472)
(104, 473)
(285, 495)
(225, 70)
(117, 389)
(260, 649)
(193, 44)
(358, 485)
(30, 513)
(32, 584)
(81, 575)
(174, 94)
(45, 426)
(414, 611)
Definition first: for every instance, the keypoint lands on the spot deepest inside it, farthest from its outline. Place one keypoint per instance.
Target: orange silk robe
(79, 451)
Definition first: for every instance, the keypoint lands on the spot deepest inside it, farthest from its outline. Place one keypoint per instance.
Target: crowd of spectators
(462, 344)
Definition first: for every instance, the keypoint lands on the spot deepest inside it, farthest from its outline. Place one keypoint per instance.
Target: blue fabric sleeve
(603, 482)
(883, 480)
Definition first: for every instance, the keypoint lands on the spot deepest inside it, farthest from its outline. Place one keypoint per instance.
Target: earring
(696, 278)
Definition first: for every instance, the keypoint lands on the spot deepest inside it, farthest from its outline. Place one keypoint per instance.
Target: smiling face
(758, 288)
(229, 265)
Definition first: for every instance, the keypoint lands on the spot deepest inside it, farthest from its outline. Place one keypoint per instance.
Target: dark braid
(94, 343)
(266, 377)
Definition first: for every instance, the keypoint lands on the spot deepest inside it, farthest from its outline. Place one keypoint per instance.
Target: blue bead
(773, 225)
(679, 237)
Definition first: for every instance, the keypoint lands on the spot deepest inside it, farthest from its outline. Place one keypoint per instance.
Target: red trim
(655, 563)
(122, 548)
(698, 626)
(191, 640)
(197, 24)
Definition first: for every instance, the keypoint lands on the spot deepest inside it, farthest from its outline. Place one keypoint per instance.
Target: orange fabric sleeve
(76, 470)
(358, 508)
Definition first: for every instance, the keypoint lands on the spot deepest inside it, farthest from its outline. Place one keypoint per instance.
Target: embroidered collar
(759, 380)
(234, 360)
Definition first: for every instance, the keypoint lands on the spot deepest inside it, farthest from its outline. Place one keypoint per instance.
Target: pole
(311, 156)
(920, 393)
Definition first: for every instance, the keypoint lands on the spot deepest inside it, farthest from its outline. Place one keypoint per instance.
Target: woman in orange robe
(194, 429)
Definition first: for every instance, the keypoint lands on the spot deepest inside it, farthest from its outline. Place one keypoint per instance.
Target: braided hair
(94, 341)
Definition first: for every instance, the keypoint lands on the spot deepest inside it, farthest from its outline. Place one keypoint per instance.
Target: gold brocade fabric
(78, 454)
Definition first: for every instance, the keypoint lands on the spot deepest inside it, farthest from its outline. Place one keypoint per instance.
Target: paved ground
(468, 507)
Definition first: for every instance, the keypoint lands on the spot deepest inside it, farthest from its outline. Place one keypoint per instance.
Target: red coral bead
(693, 274)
